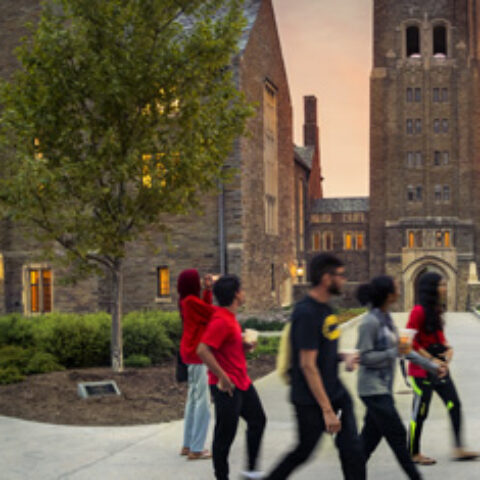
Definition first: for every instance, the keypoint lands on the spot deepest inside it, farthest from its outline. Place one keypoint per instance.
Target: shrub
(10, 375)
(153, 334)
(265, 346)
(263, 325)
(42, 362)
(14, 356)
(138, 361)
(75, 340)
(16, 330)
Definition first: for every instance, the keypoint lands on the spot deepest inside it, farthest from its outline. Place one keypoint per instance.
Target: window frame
(44, 287)
(160, 284)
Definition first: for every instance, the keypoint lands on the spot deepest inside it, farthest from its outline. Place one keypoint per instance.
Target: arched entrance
(416, 269)
(426, 269)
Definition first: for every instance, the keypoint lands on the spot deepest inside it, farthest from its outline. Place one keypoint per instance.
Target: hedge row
(60, 340)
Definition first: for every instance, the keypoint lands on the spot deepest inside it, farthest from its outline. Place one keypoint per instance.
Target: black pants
(228, 410)
(311, 425)
(382, 420)
(423, 389)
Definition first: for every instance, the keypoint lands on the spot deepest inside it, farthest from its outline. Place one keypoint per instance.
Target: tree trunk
(116, 346)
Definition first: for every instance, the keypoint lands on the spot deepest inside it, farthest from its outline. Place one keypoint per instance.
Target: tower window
(410, 159)
(418, 125)
(413, 41)
(436, 125)
(445, 125)
(418, 159)
(419, 192)
(440, 41)
(438, 193)
(418, 95)
(410, 193)
(446, 193)
(446, 158)
(409, 126)
(436, 94)
(445, 95)
(409, 95)
(437, 159)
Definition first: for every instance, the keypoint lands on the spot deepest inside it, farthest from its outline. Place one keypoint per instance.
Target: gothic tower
(424, 143)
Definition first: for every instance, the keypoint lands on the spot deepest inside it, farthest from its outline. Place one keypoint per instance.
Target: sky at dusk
(327, 49)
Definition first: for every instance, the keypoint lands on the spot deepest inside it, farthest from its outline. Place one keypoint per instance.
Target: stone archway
(415, 270)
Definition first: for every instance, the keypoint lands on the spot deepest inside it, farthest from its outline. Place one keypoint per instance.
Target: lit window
(40, 290)
(359, 241)
(347, 241)
(316, 242)
(163, 281)
(446, 239)
(328, 241)
(411, 239)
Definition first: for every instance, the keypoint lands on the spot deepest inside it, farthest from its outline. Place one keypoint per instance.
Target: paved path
(46, 452)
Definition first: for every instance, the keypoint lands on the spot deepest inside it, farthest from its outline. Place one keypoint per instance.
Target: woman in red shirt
(196, 314)
(430, 342)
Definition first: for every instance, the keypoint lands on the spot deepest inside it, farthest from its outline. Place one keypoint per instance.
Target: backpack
(284, 355)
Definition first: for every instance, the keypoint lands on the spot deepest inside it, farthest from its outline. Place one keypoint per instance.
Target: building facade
(247, 229)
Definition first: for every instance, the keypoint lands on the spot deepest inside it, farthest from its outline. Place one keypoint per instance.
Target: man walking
(222, 349)
(321, 402)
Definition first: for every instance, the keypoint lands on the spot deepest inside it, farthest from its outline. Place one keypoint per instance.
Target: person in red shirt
(195, 313)
(222, 349)
(430, 342)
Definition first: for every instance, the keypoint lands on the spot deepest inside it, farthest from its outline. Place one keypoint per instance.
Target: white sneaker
(253, 474)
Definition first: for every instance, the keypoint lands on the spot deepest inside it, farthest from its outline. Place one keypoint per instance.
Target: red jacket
(422, 339)
(196, 314)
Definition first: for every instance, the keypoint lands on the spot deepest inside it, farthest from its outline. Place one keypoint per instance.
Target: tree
(122, 111)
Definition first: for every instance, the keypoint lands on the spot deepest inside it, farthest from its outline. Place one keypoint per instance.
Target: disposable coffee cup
(406, 335)
(250, 335)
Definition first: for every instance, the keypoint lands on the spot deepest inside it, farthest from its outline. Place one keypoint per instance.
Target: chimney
(311, 139)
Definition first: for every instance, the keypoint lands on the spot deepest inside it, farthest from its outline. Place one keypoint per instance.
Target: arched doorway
(414, 271)
(427, 269)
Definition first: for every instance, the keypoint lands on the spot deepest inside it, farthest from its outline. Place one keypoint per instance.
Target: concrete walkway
(47, 452)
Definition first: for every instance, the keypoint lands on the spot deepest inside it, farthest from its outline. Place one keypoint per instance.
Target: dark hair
(225, 289)
(429, 299)
(322, 264)
(377, 291)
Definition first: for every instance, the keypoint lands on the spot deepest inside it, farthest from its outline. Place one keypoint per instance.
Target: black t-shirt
(315, 327)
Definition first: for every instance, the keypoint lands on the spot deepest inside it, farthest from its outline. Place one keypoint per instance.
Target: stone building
(247, 229)
(424, 166)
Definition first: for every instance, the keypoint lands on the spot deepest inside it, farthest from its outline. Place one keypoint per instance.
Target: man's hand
(332, 422)
(442, 371)
(226, 385)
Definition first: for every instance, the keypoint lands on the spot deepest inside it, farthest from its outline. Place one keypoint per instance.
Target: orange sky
(327, 49)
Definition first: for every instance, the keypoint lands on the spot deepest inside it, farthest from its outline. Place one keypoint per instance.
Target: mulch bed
(149, 395)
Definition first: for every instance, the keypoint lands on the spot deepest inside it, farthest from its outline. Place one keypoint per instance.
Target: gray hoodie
(377, 344)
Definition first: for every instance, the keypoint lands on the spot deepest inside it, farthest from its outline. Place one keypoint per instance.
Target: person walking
(222, 349)
(195, 313)
(321, 402)
(430, 342)
(379, 347)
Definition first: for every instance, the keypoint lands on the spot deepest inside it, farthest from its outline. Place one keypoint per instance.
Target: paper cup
(250, 335)
(406, 335)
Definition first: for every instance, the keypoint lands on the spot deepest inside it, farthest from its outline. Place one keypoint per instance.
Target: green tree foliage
(122, 112)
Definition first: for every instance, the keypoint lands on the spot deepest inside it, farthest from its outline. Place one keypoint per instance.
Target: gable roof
(339, 205)
(304, 156)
